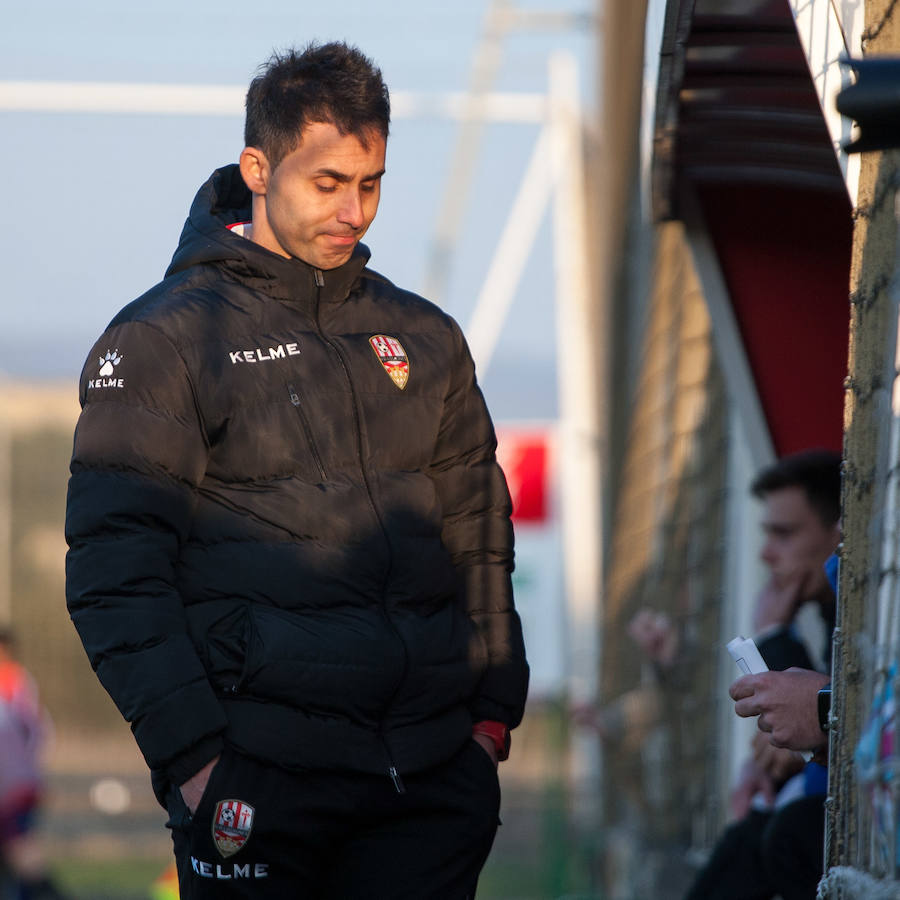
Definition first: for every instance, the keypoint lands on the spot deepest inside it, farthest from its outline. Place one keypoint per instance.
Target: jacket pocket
(306, 426)
(227, 642)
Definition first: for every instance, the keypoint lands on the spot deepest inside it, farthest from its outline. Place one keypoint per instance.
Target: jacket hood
(223, 201)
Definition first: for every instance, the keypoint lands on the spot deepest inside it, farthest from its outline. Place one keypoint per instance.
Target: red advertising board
(524, 453)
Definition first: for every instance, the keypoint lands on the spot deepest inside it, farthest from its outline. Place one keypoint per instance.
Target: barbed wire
(865, 298)
(874, 30)
(885, 190)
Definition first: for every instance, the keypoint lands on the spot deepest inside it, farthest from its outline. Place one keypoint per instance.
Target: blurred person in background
(290, 544)
(777, 803)
(23, 731)
(775, 846)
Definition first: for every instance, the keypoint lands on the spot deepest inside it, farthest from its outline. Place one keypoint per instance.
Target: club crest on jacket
(393, 357)
(231, 825)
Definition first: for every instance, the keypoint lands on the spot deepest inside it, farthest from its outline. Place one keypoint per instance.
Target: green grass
(130, 879)
(123, 879)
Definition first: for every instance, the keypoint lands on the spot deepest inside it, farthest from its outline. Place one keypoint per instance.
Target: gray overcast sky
(95, 202)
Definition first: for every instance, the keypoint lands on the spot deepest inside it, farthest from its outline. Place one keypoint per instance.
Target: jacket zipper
(307, 430)
(393, 774)
(399, 787)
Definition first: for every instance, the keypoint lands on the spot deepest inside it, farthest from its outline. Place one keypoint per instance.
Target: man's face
(797, 543)
(322, 197)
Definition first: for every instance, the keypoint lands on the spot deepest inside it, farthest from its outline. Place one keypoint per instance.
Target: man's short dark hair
(333, 83)
(818, 472)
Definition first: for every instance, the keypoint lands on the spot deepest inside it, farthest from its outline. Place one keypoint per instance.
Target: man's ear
(255, 170)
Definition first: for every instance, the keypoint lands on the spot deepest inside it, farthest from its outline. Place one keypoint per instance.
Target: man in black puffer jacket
(290, 544)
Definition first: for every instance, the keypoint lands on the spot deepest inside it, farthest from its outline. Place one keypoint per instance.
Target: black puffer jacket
(272, 542)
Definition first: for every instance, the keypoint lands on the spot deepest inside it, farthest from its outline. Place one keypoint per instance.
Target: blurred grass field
(121, 879)
(132, 879)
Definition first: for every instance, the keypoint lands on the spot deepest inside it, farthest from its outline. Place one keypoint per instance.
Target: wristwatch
(825, 707)
(498, 733)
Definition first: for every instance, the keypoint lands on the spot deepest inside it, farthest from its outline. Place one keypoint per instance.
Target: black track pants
(262, 832)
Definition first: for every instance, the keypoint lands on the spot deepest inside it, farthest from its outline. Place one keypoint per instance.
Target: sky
(95, 202)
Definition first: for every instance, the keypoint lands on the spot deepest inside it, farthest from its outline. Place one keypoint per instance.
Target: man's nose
(351, 210)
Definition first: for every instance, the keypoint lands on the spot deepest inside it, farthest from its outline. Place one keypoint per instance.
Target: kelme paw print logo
(108, 362)
(106, 376)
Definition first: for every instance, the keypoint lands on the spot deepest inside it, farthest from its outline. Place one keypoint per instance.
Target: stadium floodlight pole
(502, 19)
(512, 253)
(581, 433)
(448, 224)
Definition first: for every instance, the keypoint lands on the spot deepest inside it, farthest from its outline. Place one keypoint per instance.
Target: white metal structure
(830, 31)
(226, 100)
(502, 19)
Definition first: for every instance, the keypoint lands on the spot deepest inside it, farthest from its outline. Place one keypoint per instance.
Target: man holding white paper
(774, 848)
